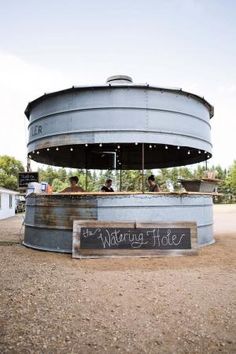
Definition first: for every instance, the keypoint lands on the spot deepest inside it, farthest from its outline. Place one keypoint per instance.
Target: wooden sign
(26, 177)
(100, 239)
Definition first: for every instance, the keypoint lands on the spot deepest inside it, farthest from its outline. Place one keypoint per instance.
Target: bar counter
(49, 217)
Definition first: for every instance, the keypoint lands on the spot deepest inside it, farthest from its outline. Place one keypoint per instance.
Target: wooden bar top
(104, 194)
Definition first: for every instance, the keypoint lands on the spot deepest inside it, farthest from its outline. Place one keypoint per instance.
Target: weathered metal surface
(173, 124)
(49, 218)
(196, 185)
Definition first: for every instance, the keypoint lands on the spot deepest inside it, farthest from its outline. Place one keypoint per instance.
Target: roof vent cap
(119, 79)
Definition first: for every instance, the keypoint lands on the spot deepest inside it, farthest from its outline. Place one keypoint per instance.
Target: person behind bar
(73, 186)
(107, 187)
(153, 186)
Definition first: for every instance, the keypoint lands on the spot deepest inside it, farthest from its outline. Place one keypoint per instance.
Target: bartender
(153, 186)
(108, 186)
(73, 186)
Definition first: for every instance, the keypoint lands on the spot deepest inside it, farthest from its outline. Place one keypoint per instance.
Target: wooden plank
(93, 239)
(104, 194)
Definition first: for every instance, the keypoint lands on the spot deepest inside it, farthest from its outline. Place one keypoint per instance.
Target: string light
(57, 148)
(71, 149)
(188, 152)
(205, 152)
(136, 143)
(100, 145)
(166, 147)
(118, 147)
(178, 147)
(86, 145)
(33, 152)
(199, 152)
(48, 149)
(150, 146)
(37, 152)
(208, 156)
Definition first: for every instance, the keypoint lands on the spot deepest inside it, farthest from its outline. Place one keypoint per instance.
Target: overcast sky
(49, 45)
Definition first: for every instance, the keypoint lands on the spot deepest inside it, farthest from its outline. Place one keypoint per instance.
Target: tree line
(167, 178)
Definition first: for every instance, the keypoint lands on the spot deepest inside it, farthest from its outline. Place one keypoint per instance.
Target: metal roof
(9, 191)
(116, 84)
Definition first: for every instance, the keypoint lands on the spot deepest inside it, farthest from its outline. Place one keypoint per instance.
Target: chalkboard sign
(26, 177)
(93, 238)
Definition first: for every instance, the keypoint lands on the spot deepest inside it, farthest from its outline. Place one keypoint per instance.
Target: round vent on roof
(119, 79)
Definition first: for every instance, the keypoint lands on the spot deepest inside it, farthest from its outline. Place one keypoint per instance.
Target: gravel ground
(51, 303)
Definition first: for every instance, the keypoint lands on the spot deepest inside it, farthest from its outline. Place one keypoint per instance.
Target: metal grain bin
(100, 127)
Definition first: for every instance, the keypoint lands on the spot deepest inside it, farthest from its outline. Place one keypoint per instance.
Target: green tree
(58, 185)
(199, 172)
(48, 174)
(62, 174)
(231, 179)
(9, 170)
(131, 180)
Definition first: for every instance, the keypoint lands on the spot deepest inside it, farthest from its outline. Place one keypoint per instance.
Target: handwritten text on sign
(27, 177)
(128, 238)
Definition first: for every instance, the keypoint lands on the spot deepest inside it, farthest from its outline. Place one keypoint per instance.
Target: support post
(143, 168)
(86, 172)
(120, 180)
(86, 179)
(28, 167)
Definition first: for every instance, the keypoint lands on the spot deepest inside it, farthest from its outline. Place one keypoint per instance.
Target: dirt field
(53, 304)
